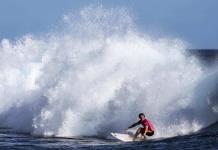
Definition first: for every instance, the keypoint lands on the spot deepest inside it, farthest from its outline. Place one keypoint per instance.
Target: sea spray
(94, 75)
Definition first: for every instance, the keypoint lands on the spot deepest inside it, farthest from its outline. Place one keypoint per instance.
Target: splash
(94, 75)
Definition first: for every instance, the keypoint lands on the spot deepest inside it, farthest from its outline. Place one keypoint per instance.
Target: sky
(194, 21)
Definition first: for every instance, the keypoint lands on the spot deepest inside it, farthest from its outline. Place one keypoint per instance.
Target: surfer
(147, 128)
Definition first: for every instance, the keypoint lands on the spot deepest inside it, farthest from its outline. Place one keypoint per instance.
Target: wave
(95, 73)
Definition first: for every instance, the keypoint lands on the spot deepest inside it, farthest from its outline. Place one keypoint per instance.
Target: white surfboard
(126, 137)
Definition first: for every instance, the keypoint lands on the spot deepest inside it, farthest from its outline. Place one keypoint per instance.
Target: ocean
(93, 74)
(204, 139)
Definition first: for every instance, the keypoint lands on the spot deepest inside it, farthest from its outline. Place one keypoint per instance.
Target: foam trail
(94, 75)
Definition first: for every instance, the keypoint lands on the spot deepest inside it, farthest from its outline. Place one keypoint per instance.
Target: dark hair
(141, 114)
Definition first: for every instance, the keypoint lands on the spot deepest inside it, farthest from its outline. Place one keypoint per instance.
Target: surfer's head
(141, 116)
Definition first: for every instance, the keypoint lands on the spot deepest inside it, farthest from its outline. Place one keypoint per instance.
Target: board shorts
(148, 133)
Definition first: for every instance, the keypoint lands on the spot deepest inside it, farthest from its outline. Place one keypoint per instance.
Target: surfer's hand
(125, 130)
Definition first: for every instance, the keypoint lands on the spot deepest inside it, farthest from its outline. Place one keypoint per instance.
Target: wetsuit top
(144, 123)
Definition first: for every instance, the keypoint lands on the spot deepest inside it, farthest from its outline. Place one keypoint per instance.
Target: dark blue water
(204, 139)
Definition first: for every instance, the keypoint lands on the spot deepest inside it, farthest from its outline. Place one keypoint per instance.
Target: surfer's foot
(134, 138)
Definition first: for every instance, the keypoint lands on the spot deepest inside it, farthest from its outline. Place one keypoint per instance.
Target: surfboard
(126, 137)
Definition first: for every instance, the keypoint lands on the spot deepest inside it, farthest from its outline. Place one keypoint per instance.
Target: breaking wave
(95, 73)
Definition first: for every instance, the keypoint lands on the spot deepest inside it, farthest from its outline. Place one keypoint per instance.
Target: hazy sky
(195, 21)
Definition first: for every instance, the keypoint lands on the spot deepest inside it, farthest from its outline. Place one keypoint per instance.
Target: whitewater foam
(94, 75)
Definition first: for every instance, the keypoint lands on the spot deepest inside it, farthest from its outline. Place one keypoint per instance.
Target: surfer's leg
(143, 133)
(137, 133)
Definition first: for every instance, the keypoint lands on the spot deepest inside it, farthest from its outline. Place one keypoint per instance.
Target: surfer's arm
(134, 124)
(146, 130)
